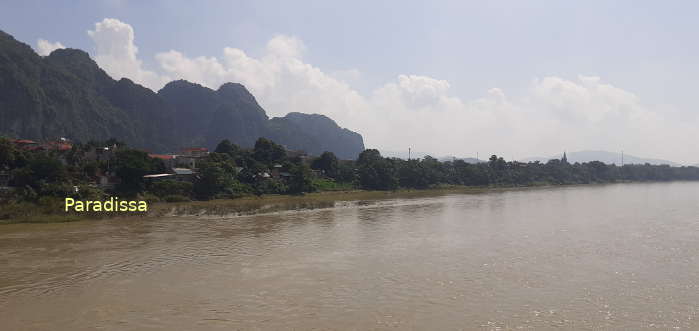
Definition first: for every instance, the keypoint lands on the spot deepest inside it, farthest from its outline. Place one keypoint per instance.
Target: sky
(512, 78)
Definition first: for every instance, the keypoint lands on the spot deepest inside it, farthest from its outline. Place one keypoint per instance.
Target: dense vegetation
(376, 172)
(230, 171)
(44, 178)
(66, 94)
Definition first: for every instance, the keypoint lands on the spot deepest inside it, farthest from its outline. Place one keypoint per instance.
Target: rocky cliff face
(320, 133)
(66, 94)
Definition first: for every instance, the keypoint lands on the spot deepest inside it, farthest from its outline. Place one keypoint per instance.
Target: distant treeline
(379, 173)
(47, 176)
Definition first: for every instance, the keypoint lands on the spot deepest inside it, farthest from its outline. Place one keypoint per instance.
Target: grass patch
(323, 184)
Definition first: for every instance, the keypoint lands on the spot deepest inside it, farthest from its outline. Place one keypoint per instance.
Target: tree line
(231, 171)
(380, 173)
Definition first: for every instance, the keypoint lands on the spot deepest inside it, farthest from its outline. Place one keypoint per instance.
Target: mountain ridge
(67, 94)
(602, 156)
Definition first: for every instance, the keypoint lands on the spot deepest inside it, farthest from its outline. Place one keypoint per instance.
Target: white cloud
(349, 76)
(116, 53)
(286, 47)
(553, 114)
(416, 92)
(45, 47)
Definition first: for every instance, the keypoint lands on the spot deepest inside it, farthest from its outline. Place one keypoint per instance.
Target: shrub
(269, 186)
(175, 198)
(148, 197)
(171, 187)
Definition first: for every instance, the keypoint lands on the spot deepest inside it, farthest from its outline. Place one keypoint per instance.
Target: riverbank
(52, 211)
(253, 205)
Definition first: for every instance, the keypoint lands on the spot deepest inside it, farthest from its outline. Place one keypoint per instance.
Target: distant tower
(622, 158)
(565, 158)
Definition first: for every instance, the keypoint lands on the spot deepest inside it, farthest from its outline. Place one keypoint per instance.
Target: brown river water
(607, 257)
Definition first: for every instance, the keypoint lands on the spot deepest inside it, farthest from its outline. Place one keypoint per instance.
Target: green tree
(130, 166)
(41, 168)
(213, 180)
(376, 172)
(300, 180)
(412, 174)
(226, 147)
(346, 172)
(368, 156)
(7, 154)
(327, 162)
(217, 178)
(268, 152)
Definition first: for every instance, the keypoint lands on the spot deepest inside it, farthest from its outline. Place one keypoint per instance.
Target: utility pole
(408, 153)
(622, 158)
(477, 157)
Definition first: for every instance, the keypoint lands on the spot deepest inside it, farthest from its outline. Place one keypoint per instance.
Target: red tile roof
(24, 141)
(61, 146)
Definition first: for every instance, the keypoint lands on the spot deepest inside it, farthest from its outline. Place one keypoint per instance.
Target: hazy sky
(513, 78)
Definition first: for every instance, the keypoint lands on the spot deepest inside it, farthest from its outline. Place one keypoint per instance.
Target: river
(620, 257)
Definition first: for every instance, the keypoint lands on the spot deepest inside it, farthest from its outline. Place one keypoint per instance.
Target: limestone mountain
(205, 117)
(319, 134)
(66, 94)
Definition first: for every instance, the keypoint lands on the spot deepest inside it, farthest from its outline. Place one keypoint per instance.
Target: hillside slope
(66, 94)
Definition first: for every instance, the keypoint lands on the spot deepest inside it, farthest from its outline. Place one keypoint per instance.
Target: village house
(101, 154)
(263, 175)
(26, 144)
(276, 171)
(180, 167)
(179, 174)
(60, 145)
(158, 177)
(300, 154)
(189, 157)
(184, 174)
(195, 152)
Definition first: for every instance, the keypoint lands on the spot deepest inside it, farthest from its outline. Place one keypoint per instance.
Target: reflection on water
(608, 257)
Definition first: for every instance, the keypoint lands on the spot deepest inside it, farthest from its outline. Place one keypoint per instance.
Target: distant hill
(602, 156)
(66, 94)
